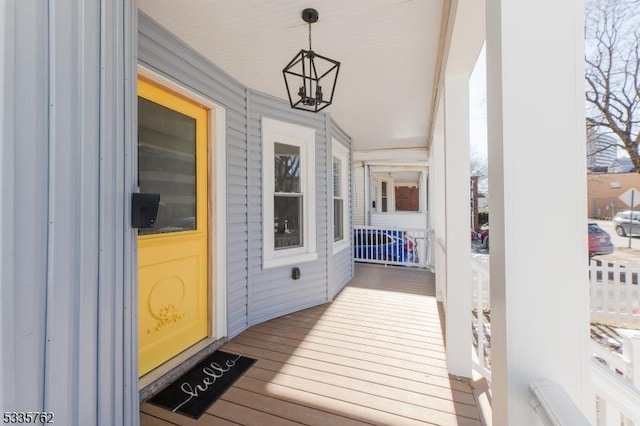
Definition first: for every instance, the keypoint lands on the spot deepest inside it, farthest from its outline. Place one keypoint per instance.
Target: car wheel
(620, 231)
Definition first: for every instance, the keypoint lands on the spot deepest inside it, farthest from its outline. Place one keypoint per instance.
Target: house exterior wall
(407, 198)
(406, 220)
(66, 246)
(68, 294)
(272, 291)
(604, 190)
(254, 293)
(341, 266)
(358, 190)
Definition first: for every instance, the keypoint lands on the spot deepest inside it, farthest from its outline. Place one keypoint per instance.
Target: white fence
(615, 294)
(615, 299)
(393, 246)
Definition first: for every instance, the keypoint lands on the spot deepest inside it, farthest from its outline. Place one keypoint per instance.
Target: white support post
(459, 300)
(537, 166)
(437, 215)
(422, 193)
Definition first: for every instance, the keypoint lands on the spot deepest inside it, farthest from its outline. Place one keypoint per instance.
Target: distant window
(341, 200)
(383, 197)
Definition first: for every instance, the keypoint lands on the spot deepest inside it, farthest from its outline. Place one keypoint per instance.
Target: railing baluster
(593, 280)
(628, 279)
(616, 288)
(605, 289)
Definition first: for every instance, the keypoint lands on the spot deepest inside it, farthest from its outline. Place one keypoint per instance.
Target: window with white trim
(288, 171)
(340, 196)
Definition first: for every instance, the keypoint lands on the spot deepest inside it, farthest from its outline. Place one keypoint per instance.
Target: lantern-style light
(310, 78)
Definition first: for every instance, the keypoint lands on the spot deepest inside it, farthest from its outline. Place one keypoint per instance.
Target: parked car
(599, 240)
(626, 224)
(383, 244)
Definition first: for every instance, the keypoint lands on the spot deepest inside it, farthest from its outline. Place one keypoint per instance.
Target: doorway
(173, 257)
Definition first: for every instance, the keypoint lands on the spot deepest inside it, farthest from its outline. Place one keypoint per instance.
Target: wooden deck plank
(255, 394)
(392, 317)
(443, 401)
(341, 338)
(373, 356)
(360, 322)
(149, 420)
(392, 383)
(366, 333)
(349, 345)
(180, 420)
(244, 415)
(325, 345)
(343, 351)
(360, 397)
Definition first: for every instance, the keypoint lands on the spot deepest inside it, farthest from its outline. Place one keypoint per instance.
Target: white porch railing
(615, 294)
(616, 379)
(615, 298)
(481, 326)
(393, 246)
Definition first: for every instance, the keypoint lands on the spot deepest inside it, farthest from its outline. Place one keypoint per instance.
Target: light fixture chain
(309, 36)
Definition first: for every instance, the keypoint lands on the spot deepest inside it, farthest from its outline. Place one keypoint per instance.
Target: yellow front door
(173, 290)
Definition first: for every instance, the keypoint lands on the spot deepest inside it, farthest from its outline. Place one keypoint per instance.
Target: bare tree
(478, 167)
(612, 35)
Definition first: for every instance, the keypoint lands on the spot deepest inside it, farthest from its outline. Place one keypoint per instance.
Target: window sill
(340, 246)
(289, 260)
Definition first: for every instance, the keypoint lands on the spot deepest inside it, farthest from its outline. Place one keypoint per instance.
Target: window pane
(167, 165)
(383, 197)
(286, 168)
(287, 214)
(337, 178)
(338, 231)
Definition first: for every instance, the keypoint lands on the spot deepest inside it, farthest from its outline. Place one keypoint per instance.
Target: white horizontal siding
(358, 201)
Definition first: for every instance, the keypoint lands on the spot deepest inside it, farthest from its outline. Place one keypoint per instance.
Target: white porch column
(458, 306)
(422, 193)
(437, 214)
(537, 166)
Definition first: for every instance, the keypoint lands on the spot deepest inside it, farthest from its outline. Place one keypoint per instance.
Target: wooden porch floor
(375, 355)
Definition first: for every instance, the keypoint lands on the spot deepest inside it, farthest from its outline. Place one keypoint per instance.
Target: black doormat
(196, 390)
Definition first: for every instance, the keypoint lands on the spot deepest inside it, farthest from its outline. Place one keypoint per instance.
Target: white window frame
(391, 195)
(341, 152)
(275, 131)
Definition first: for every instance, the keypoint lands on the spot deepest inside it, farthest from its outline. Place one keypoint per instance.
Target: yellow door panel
(173, 285)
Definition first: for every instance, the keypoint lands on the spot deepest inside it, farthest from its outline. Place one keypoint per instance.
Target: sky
(478, 106)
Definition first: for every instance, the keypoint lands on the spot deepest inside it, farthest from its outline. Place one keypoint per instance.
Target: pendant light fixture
(310, 78)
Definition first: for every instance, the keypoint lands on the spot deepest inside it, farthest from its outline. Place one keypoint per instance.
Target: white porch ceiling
(387, 49)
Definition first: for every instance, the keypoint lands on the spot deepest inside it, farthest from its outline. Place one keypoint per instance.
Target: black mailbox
(144, 210)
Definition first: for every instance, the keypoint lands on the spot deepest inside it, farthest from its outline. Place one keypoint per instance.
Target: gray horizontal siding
(342, 269)
(272, 292)
(65, 307)
(160, 51)
(254, 294)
